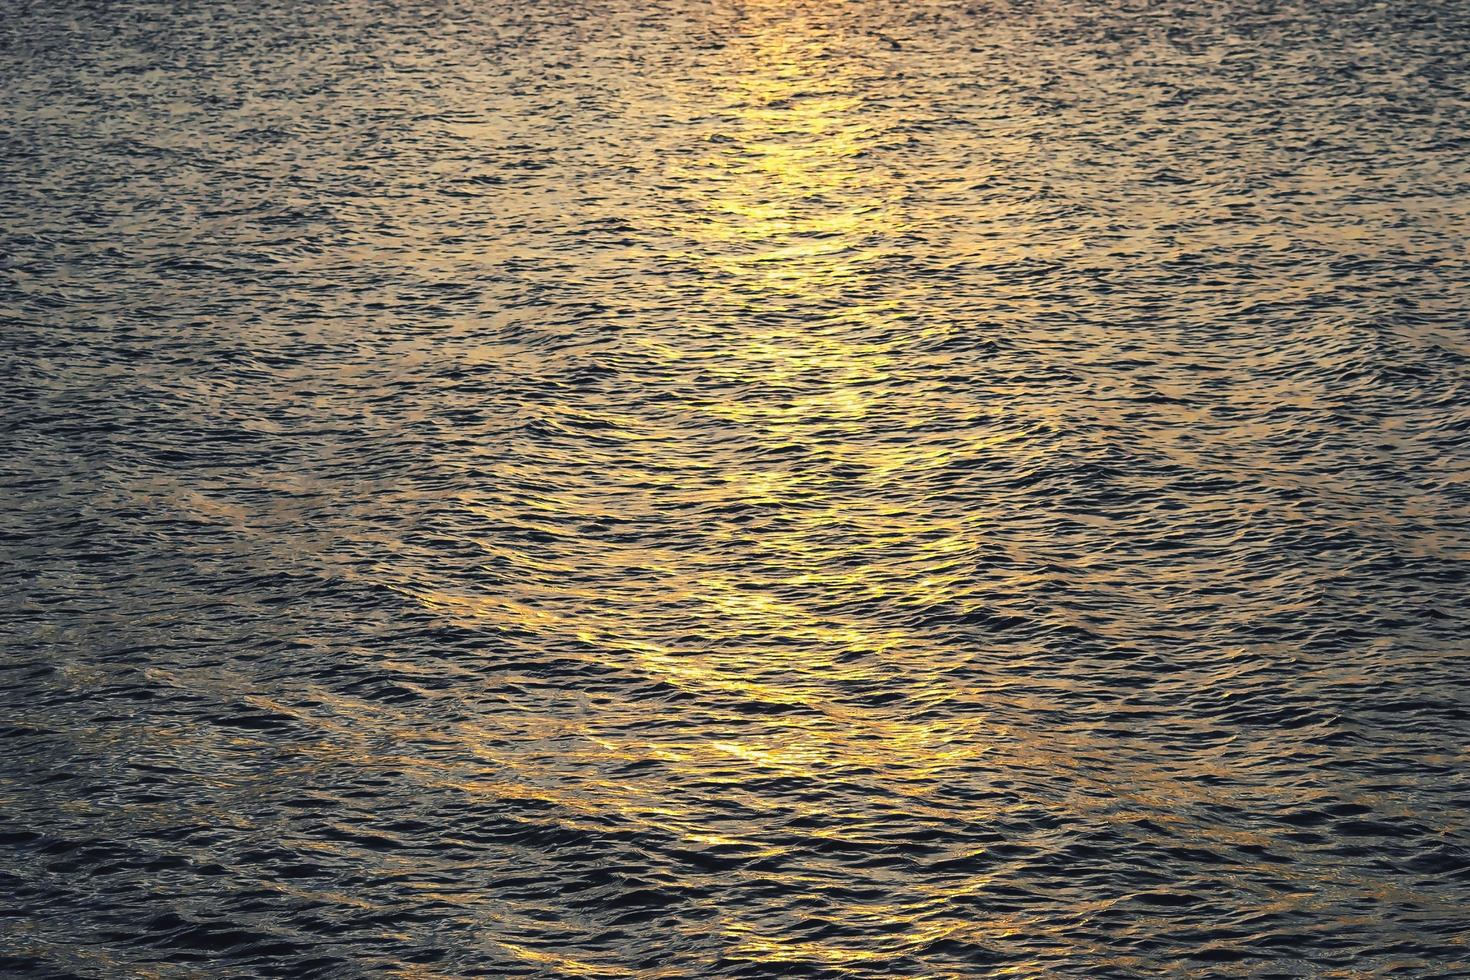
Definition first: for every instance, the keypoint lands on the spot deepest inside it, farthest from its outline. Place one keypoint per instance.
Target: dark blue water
(709, 489)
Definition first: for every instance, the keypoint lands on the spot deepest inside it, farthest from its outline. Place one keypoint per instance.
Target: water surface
(712, 489)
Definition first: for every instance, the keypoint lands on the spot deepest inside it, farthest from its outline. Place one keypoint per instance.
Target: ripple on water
(734, 489)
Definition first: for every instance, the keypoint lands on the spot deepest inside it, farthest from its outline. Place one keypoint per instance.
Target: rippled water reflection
(734, 489)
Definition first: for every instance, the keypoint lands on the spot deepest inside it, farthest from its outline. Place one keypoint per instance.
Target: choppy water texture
(700, 489)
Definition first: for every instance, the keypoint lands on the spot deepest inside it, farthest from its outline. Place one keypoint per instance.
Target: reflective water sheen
(714, 489)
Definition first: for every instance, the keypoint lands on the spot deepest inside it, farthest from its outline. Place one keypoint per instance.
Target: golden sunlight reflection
(785, 215)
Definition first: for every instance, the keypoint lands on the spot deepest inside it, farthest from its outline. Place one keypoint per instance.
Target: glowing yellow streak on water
(794, 139)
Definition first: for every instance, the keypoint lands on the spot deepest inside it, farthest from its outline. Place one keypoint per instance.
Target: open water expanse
(702, 489)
